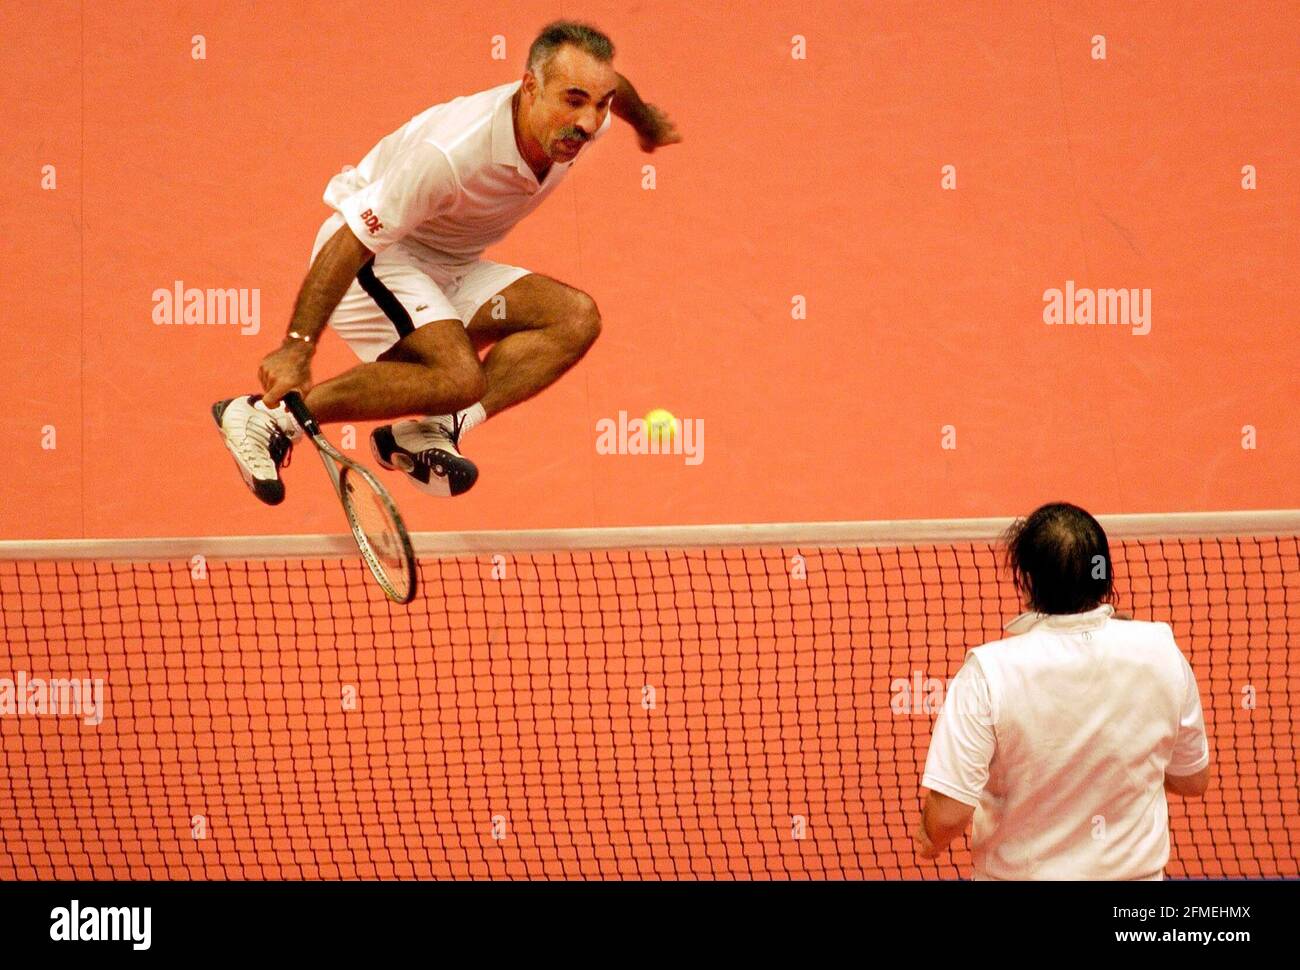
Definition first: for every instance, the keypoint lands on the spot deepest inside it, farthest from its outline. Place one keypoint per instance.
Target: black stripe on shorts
(384, 297)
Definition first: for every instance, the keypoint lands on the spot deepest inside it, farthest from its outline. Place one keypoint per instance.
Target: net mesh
(680, 713)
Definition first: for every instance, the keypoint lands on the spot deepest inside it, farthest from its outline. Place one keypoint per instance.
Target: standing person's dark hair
(1060, 559)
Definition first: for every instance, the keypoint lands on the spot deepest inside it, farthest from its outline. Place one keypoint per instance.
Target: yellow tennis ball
(662, 423)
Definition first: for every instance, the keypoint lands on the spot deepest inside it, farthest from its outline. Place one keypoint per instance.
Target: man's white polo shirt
(1060, 737)
(448, 183)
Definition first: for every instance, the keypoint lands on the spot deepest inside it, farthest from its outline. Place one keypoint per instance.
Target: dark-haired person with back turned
(1061, 740)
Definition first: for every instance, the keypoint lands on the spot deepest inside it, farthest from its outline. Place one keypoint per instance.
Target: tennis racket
(376, 524)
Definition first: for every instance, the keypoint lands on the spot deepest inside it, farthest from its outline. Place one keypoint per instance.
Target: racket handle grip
(298, 408)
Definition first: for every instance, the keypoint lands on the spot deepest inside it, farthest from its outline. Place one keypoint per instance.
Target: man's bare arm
(289, 366)
(942, 820)
(328, 279)
(653, 127)
(628, 104)
(1189, 786)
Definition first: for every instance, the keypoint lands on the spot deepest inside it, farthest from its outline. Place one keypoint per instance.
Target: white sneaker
(426, 449)
(261, 441)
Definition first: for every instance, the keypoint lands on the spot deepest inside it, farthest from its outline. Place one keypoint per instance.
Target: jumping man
(397, 270)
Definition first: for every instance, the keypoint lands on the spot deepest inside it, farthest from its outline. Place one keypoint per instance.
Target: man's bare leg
(548, 327)
(433, 370)
(545, 329)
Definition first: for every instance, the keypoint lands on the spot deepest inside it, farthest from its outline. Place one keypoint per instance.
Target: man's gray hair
(560, 32)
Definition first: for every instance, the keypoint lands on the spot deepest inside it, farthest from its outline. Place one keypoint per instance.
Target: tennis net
(661, 703)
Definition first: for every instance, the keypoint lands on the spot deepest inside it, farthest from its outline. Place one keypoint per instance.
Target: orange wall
(818, 177)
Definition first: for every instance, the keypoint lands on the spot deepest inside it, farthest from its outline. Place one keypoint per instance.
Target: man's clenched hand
(656, 130)
(285, 369)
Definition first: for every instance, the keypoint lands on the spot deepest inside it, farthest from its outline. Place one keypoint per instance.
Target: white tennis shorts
(399, 291)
